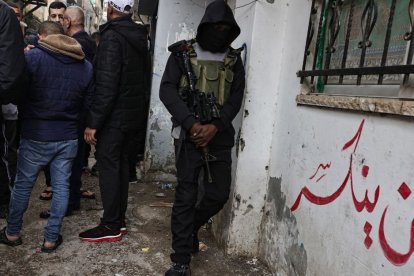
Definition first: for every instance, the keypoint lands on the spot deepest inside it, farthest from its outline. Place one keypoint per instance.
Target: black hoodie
(217, 11)
(120, 69)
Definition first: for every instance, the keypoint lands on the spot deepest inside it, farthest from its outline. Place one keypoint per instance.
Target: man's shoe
(177, 269)
(6, 241)
(52, 249)
(133, 179)
(101, 233)
(123, 229)
(4, 210)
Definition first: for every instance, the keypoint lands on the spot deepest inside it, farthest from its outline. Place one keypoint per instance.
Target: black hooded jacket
(217, 11)
(12, 60)
(120, 67)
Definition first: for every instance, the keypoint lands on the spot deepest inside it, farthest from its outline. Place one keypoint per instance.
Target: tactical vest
(213, 76)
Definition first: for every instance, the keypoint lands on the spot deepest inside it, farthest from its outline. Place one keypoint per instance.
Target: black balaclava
(214, 39)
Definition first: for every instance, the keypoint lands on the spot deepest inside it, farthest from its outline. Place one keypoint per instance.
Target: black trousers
(112, 155)
(76, 176)
(137, 146)
(186, 217)
(48, 180)
(4, 167)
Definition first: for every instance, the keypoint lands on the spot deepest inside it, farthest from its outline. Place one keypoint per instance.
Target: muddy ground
(143, 251)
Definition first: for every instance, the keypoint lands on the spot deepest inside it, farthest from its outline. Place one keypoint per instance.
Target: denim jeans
(33, 155)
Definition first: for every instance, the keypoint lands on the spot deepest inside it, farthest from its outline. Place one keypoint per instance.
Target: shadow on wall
(279, 246)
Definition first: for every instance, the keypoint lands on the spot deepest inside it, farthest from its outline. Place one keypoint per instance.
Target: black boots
(178, 270)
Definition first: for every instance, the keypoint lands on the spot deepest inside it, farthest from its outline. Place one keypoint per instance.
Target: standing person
(118, 110)
(61, 80)
(210, 53)
(17, 11)
(12, 65)
(73, 25)
(10, 116)
(56, 13)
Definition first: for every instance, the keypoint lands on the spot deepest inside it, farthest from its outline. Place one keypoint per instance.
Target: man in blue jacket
(61, 84)
(11, 68)
(73, 25)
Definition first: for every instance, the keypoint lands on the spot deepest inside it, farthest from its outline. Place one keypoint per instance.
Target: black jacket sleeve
(232, 106)
(12, 60)
(169, 94)
(89, 94)
(108, 67)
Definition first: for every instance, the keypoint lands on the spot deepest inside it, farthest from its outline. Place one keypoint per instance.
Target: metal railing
(326, 20)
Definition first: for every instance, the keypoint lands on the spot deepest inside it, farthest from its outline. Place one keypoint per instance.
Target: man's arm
(12, 60)
(169, 94)
(108, 69)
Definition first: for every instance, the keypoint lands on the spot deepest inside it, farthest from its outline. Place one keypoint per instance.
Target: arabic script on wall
(396, 258)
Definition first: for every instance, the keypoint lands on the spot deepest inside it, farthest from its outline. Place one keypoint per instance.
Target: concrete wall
(263, 73)
(340, 157)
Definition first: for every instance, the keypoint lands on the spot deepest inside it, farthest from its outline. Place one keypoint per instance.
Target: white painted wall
(293, 140)
(265, 23)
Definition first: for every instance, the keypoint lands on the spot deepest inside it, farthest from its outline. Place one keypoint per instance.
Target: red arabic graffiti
(324, 167)
(323, 200)
(392, 255)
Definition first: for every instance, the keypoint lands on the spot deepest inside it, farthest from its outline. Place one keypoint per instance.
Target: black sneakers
(177, 269)
(101, 233)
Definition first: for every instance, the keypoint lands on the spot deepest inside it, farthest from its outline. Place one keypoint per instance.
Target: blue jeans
(33, 156)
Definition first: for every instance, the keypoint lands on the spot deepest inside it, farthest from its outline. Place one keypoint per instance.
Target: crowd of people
(65, 91)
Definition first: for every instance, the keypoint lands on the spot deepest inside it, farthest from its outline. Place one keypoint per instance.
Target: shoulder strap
(192, 52)
(231, 57)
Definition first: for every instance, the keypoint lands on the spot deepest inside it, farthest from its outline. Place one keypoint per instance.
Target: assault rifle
(202, 105)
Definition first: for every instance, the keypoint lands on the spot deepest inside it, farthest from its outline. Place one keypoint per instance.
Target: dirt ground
(143, 251)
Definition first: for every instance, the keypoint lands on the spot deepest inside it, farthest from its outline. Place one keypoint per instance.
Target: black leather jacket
(120, 67)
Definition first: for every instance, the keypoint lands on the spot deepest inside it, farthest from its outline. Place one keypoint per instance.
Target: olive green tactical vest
(213, 76)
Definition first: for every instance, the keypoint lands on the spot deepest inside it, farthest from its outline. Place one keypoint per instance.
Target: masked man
(218, 72)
